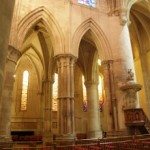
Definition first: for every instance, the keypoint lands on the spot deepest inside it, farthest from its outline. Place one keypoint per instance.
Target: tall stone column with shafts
(6, 100)
(47, 134)
(94, 126)
(66, 96)
(6, 12)
(110, 110)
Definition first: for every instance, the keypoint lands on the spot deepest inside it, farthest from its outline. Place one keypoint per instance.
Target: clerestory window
(91, 3)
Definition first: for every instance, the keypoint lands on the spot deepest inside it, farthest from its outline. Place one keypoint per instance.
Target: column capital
(64, 56)
(91, 83)
(118, 8)
(48, 81)
(13, 54)
(106, 62)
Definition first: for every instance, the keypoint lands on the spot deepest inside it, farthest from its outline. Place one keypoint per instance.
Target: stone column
(110, 104)
(66, 96)
(47, 133)
(94, 127)
(5, 111)
(107, 108)
(6, 11)
(122, 60)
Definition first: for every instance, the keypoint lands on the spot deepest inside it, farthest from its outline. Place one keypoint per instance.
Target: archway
(90, 50)
(140, 38)
(37, 43)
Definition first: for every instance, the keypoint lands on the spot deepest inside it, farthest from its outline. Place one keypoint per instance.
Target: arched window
(100, 89)
(55, 93)
(91, 3)
(84, 95)
(24, 93)
(100, 92)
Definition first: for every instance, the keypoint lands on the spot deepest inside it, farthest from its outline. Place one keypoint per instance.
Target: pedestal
(130, 99)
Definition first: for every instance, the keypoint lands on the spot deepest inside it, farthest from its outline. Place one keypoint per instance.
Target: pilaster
(6, 12)
(110, 107)
(6, 99)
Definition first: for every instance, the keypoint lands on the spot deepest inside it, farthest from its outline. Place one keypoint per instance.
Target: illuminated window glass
(87, 2)
(55, 93)
(100, 89)
(84, 95)
(99, 62)
(100, 93)
(24, 93)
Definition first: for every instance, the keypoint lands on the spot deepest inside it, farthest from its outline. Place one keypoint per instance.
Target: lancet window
(55, 93)
(24, 93)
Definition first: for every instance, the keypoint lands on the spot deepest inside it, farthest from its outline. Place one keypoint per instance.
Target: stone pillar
(6, 11)
(47, 133)
(110, 104)
(66, 96)
(122, 61)
(5, 111)
(94, 127)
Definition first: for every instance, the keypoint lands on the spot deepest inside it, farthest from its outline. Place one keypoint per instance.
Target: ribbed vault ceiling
(140, 27)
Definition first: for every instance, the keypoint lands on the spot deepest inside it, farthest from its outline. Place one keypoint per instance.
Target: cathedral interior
(74, 69)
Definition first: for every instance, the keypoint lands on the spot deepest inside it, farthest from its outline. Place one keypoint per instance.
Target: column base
(66, 139)
(5, 138)
(47, 138)
(94, 134)
(5, 142)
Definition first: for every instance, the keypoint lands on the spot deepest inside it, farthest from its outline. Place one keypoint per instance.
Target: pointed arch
(35, 16)
(129, 4)
(101, 42)
(94, 67)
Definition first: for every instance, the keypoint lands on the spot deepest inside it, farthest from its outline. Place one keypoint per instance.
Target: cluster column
(110, 108)
(6, 99)
(66, 96)
(94, 130)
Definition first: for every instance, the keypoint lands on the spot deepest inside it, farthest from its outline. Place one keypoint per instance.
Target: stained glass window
(100, 89)
(87, 2)
(100, 93)
(24, 93)
(55, 93)
(84, 95)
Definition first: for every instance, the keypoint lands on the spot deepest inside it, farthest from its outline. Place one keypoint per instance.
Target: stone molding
(13, 54)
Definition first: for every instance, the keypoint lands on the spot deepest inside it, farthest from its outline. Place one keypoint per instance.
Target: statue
(130, 75)
(130, 89)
